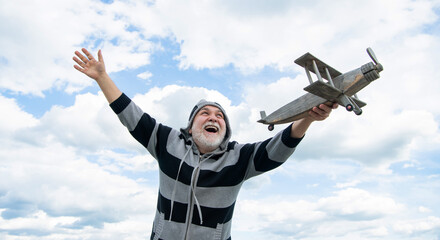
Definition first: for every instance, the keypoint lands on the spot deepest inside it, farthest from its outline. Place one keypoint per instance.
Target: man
(200, 170)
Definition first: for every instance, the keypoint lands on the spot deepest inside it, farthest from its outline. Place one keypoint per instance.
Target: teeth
(211, 128)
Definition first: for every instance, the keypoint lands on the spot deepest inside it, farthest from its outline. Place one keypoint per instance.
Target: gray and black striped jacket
(197, 193)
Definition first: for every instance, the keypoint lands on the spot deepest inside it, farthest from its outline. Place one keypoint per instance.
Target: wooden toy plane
(340, 88)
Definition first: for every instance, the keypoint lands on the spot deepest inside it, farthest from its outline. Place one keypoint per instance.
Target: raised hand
(96, 69)
(88, 65)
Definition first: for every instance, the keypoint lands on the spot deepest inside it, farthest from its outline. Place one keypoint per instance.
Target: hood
(195, 110)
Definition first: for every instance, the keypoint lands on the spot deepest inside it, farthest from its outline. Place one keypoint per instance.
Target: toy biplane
(339, 88)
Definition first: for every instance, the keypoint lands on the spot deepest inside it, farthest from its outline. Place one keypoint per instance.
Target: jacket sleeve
(140, 125)
(271, 153)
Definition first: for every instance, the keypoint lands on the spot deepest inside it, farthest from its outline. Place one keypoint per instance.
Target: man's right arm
(140, 125)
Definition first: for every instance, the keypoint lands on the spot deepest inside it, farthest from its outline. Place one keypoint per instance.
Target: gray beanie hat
(194, 112)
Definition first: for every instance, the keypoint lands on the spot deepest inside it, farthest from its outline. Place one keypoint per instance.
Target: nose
(212, 118)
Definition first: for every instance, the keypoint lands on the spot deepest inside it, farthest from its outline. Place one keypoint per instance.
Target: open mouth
(211, 129)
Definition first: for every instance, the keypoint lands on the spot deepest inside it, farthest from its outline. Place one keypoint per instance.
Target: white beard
(208, 142)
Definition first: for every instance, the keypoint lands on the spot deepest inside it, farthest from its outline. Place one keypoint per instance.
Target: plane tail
(263, 117)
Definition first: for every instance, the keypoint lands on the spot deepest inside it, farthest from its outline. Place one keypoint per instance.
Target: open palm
(88, 65)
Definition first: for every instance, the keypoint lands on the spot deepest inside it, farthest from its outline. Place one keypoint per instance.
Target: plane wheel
(270, 127)
(349, 107)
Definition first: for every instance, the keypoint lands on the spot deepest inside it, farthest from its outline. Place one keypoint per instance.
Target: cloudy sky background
(69, 169)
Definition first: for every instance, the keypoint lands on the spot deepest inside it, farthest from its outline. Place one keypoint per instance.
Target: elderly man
(201, 170)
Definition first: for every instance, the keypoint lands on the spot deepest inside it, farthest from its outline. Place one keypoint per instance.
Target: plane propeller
(374, 58)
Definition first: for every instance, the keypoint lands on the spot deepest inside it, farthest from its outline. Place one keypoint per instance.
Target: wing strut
(306, 67)
(316, 70)
(329, 77)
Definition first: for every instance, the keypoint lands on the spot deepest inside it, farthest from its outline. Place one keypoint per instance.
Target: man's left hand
(322, 111)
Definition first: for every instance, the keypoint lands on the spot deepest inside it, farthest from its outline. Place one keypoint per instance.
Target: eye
(219, 115)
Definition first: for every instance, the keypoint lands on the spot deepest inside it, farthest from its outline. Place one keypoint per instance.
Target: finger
(84, 59)
(100, 58)
(80, 63)
(333, 105)
(87, 53)
(78, 68)
(316, 112)
(316, 116)
(323, 109)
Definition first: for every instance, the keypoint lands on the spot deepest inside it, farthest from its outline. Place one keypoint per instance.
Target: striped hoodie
(197, 193)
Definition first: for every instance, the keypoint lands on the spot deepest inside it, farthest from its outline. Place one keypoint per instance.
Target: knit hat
(194, 112)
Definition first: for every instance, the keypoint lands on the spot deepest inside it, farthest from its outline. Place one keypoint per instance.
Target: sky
(70, 170)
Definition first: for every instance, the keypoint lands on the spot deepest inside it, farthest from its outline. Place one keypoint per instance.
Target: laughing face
(208, 129)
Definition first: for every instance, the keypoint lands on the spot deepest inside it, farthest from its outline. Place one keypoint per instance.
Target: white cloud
(423, 209)
(65, 192)
(145, 76)
(346, 214)
(89, 124)
(118, 162)
(38, 222)
(358, 204)
(35, 59)
(61, 174)
(39, 39)
(418, 226)
(259, 35)
(13, 117)
(299, 211)
(348, 184)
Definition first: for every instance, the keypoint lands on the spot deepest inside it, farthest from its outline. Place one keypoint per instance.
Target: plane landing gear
(349, 107)
(271, 127)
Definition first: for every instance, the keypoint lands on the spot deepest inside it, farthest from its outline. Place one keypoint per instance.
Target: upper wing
(305, 61)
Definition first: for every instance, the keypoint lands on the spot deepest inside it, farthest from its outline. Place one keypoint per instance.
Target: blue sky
(69, 169)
